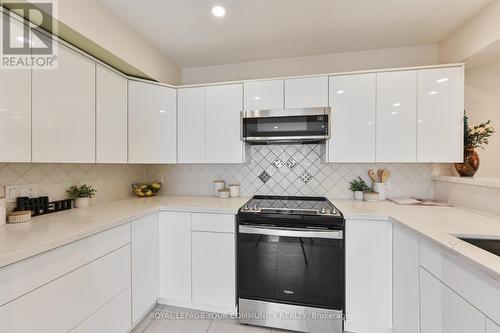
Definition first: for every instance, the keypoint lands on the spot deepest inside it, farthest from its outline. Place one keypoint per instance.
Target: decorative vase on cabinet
(470, 164)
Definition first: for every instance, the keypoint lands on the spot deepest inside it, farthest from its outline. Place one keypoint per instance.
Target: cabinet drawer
(24, 276)
(478, 289)
(61, 304)
(113, 317)
(213, 222)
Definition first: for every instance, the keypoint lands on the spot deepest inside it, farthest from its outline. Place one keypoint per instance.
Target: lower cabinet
(444, 311)
(405, 281)
(214, 266)
(62, 304)
(197, 261)
(114, 317)
(144, 237)
(368, 276)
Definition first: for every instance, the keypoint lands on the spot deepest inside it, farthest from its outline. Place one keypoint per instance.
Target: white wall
(96, 22)
(482, 102)
(328, 63)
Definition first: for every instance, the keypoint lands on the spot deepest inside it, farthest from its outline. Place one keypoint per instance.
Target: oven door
(292, 266)
(291, 125)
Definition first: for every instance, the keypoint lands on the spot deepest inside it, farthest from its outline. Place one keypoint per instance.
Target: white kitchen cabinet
(440, 114)
(15, 115)
(114, 317)
(214, 270)
(63, 303)
(191, 125)
(397, 116)
(63, 110)
(368, 276)
(144, 236)
(223, 105)
(444, 311)
(15, 110)
(492, 327)
(405, 279)
(175, 257)
(353, 102)
(152, 123)
(111, 116)
(264, 95)
(306, 92)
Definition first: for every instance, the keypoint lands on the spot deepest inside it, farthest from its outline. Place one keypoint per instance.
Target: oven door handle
(292, 232)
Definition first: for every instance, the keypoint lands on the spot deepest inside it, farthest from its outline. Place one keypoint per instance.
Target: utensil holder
(380, 189)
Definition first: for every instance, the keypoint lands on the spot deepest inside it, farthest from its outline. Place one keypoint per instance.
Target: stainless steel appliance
(291, 264)
(307, 125)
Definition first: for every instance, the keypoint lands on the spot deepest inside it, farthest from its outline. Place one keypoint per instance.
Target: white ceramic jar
(223, 194)
(358, 195)
(380, 189)
(82, 202)
(218, 185)
(234, 190)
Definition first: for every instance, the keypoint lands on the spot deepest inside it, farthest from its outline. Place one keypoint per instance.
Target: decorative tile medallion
(305, 176)
(264, 177)
(291, 162)
(278, 163)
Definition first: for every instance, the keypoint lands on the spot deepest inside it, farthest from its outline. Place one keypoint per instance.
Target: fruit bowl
(144, 190)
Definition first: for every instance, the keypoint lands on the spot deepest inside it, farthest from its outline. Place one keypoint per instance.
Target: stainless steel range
(291, 264)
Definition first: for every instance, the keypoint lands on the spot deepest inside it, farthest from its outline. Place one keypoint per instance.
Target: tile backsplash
(112, 182)
(290, 170)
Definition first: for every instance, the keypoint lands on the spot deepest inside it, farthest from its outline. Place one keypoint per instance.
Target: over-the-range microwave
(306, 125)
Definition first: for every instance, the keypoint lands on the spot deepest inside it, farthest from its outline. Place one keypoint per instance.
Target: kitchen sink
(490, 245)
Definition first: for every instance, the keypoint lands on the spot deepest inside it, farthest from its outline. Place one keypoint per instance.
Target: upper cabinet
(111, 116)
(152, 123)
(440, 114)
(264, 95)
(306, 92)
(223, 105)
(63, 110)
(397, 116)
(15, 115)
(191, 125)
(352, 98)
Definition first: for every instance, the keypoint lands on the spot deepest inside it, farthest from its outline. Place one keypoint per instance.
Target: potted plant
(474, 137)
(81, 195)
(359, 187)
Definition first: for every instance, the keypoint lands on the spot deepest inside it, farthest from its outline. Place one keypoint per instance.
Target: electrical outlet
(160, 178)
(12, 192)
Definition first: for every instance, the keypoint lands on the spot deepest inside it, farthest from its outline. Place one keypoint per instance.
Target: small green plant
(477, 136)
(359, 185)
(83, 191)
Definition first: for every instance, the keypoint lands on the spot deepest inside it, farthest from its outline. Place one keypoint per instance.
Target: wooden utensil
(372, 176)
(385, 176)
(379, 174)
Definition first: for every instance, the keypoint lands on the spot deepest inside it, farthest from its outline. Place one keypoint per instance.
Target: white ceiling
(186, 31)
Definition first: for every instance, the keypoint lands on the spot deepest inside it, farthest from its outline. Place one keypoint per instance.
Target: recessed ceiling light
(218, 11)
(340, 92)
(256, 98)
(162, 111)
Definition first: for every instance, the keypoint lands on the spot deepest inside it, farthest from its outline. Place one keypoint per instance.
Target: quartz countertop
(437, 224)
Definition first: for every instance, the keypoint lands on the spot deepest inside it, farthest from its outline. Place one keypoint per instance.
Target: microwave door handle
(292, 232)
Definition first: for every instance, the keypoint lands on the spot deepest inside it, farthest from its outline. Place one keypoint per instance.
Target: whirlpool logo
(25, 40)
(288, 292)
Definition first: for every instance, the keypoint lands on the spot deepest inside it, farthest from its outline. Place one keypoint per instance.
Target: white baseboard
(195, 306)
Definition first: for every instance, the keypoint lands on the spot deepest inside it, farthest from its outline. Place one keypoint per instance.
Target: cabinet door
(264, 95)
(352, 98)
(492, 327)
(152, 123)
(440, 115)
(223, 107)
(306, 92)
(175, 256)
(64, 110)
(443, 311)
(405, 277)
(397, 117)
(111, 116)
(15, 111)
(368, 276)
(191, 124)
(144, 265)
(214, 269)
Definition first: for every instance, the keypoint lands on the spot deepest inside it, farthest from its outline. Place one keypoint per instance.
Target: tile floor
(166, 319)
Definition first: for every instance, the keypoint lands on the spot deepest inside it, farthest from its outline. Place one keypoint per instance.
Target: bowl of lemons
(145, 190)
